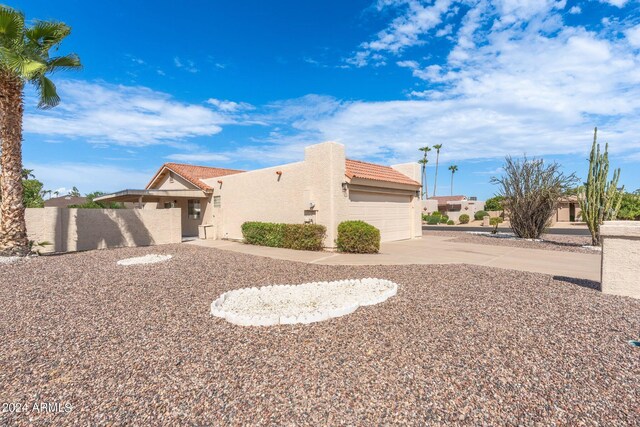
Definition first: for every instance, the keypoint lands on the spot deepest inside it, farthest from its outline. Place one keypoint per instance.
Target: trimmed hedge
(444, 219)
(480, 214)
(464, 219)
(451, 222)
(306, 237)
(433, 220)
(358, 237)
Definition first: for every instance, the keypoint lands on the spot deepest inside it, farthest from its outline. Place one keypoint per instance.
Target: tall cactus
(599, 199)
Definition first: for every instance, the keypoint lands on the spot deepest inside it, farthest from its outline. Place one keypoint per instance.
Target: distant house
(64, 201)
(453, 206)
(568, 210)
(324, 188)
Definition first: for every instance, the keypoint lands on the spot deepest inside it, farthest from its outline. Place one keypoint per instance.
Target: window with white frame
(216, 201)
(193, 208)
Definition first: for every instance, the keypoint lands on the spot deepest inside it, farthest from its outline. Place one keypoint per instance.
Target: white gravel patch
(147, 259)
(9, 259)
(593, 248)
(501, 235)
(305, 303)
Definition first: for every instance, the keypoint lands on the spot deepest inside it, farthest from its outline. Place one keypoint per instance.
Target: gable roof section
(193, 174)
(365, 170)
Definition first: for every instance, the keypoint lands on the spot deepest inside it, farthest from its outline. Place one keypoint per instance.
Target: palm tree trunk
(13, 229)
(435, 179)
(452, 183)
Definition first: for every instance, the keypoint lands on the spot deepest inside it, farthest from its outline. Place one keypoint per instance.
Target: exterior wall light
(344, 186)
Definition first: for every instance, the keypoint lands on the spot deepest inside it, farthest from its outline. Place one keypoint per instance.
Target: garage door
(390, 213)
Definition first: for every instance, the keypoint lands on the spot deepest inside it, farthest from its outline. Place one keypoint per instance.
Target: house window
(168, 205)
(193, 208)
(216, 201)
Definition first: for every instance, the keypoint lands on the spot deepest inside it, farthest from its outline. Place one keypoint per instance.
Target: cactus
(599, 199)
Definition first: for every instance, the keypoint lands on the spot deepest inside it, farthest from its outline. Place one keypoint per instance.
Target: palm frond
(11, 26)
(24, 67)
(67, 62)
(47, 34)
(47, 90)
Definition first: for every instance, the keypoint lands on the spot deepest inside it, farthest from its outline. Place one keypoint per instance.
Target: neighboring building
(568, 210)
(64, 201)
(453, 206)
(325, 188)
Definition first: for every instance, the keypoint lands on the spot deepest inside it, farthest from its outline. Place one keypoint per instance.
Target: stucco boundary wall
(70, 230)
(621, 258)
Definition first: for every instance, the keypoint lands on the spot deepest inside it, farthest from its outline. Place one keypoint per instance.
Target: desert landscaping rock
(553, 242)
(146, 259)
(458, 345)
(305, 303)
(8, 259)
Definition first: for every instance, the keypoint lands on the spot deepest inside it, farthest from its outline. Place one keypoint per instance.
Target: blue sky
(250, 84)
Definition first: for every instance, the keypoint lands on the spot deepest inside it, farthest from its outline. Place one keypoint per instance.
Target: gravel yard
(553, 242)
(457, 345)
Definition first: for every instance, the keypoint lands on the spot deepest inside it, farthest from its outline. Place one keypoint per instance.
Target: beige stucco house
(324, 188)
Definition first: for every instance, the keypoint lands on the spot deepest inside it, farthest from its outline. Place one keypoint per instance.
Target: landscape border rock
(146, 259)
(345, 297)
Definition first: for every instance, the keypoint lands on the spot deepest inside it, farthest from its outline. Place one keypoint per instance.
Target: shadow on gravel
(585, 283)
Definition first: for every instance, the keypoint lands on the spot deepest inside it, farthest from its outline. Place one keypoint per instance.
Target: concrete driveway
(438, 250)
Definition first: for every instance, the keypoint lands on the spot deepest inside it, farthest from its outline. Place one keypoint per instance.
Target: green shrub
(444, 219)
(451, 222)
(433, 220)
(494, 203)
(480, 214)
(496, 221)
(425, 217)
(436, 213)
(464, 219)
(358, 237)
(308, 237)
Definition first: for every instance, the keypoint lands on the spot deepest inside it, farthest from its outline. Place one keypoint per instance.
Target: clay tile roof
(358, 169)
(194, 174)
(442, 200)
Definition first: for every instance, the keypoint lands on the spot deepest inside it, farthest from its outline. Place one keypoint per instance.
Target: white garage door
(390, 213)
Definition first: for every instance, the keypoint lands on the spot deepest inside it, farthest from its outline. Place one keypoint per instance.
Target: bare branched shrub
(532, 191)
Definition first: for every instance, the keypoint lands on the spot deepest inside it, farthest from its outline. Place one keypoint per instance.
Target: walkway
(437, 250)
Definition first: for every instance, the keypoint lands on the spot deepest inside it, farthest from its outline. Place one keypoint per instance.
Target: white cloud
(125, 115)
(187, 65)
(633, 36)
(229, 106)
(575, 10)
(199, 157)
(516, 80)
(88, 177)
(617, 3)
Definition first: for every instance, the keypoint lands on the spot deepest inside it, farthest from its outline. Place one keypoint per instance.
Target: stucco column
(621, 258)
(325, 170)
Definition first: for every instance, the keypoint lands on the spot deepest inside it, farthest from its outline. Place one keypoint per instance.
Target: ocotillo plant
(599, 199)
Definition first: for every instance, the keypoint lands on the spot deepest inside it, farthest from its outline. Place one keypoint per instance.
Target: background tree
(423, 162)
(32, 192)
(494, 204)
(453, 169)
(435, 179)
(531, 192)
(24, 58)
(630, 206)
(75, 192)
(92, 204)
(599, 198)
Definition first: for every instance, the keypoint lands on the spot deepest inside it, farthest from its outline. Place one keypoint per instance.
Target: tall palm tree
(423, 162)
(453, 169)
(24, 58)
(435, 180)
